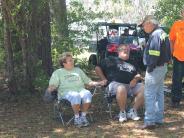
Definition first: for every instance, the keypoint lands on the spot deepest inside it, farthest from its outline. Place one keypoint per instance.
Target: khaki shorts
(112, 88)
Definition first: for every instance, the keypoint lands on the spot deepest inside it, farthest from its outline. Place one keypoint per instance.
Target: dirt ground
(27, 116)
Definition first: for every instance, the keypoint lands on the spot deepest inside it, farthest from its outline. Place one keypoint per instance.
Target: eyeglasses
(69, 60)
(123, 49)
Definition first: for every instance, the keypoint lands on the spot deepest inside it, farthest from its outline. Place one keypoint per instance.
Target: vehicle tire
(92, 60)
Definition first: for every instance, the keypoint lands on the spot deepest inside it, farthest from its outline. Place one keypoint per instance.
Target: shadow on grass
(28, 116)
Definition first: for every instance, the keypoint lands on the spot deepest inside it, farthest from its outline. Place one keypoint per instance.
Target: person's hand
(133, 83)
(102, 83)
(51, 88)
(171, 61)
(149, 70)
(138, 77)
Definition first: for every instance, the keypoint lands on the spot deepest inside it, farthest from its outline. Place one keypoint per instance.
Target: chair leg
(62, 120)
(56, 112)
(90, 117)
(110, 109)
(60, 108)
(69, 121)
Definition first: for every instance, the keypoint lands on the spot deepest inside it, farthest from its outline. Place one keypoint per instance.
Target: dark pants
(178, 73)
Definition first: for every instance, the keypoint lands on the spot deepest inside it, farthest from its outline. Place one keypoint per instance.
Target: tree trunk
(38, 43)
(44, 45)
(27, 66)
(63, 19)
(60, 14)
(10, 73)
(26, 38)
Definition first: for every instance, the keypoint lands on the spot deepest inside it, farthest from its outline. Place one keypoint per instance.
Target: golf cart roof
(115, 25)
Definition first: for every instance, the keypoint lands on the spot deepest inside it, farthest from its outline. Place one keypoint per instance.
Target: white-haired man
(154, 59)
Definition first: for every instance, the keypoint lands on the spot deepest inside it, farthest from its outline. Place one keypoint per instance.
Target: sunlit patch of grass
(58, 130)
(29, 117)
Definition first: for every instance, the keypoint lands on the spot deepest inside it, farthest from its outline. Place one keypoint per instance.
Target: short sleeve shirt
(69, 80)
(115, 69)
(177, 36)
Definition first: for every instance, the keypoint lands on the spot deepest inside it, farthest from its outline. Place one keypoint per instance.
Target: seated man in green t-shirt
(69, 81)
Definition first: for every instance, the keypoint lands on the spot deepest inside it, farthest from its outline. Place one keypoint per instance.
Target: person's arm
(97, 83)
(134, 81)
(172, 37)
(53, 82)
(100, 73)
(138, 77)
(51, 88)
(172, 46)
(51, 92)
(154, 52)
(89, 82)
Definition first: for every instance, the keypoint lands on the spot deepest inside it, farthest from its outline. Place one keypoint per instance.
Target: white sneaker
(122, 116)
(78, 122)
(132, 114)
(84, 121)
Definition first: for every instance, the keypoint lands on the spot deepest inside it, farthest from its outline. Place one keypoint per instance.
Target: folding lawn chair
(63, 110)
(109, 98)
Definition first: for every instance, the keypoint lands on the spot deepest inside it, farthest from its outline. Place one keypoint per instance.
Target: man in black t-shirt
(124, 81)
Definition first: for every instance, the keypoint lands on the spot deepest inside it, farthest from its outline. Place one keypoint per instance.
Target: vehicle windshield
(128, 40)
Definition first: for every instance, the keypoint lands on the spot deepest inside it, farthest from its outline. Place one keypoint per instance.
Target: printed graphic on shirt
(71, 78)
(126, 67)
(115, 69)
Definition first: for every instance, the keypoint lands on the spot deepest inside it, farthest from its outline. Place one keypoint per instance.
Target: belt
(161, 65)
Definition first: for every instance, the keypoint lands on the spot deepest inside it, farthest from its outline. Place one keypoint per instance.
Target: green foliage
(169, 10)
(24, 23)
(1, 30)
(2, 58)
(41, 79)
(128, 2)
(55, 56)
(2, 52)
(61, 46)
(83, 64)
(97, 2)
(81, 28)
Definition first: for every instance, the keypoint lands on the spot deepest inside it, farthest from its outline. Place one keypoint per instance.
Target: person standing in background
(177, 48)
(155, 59)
